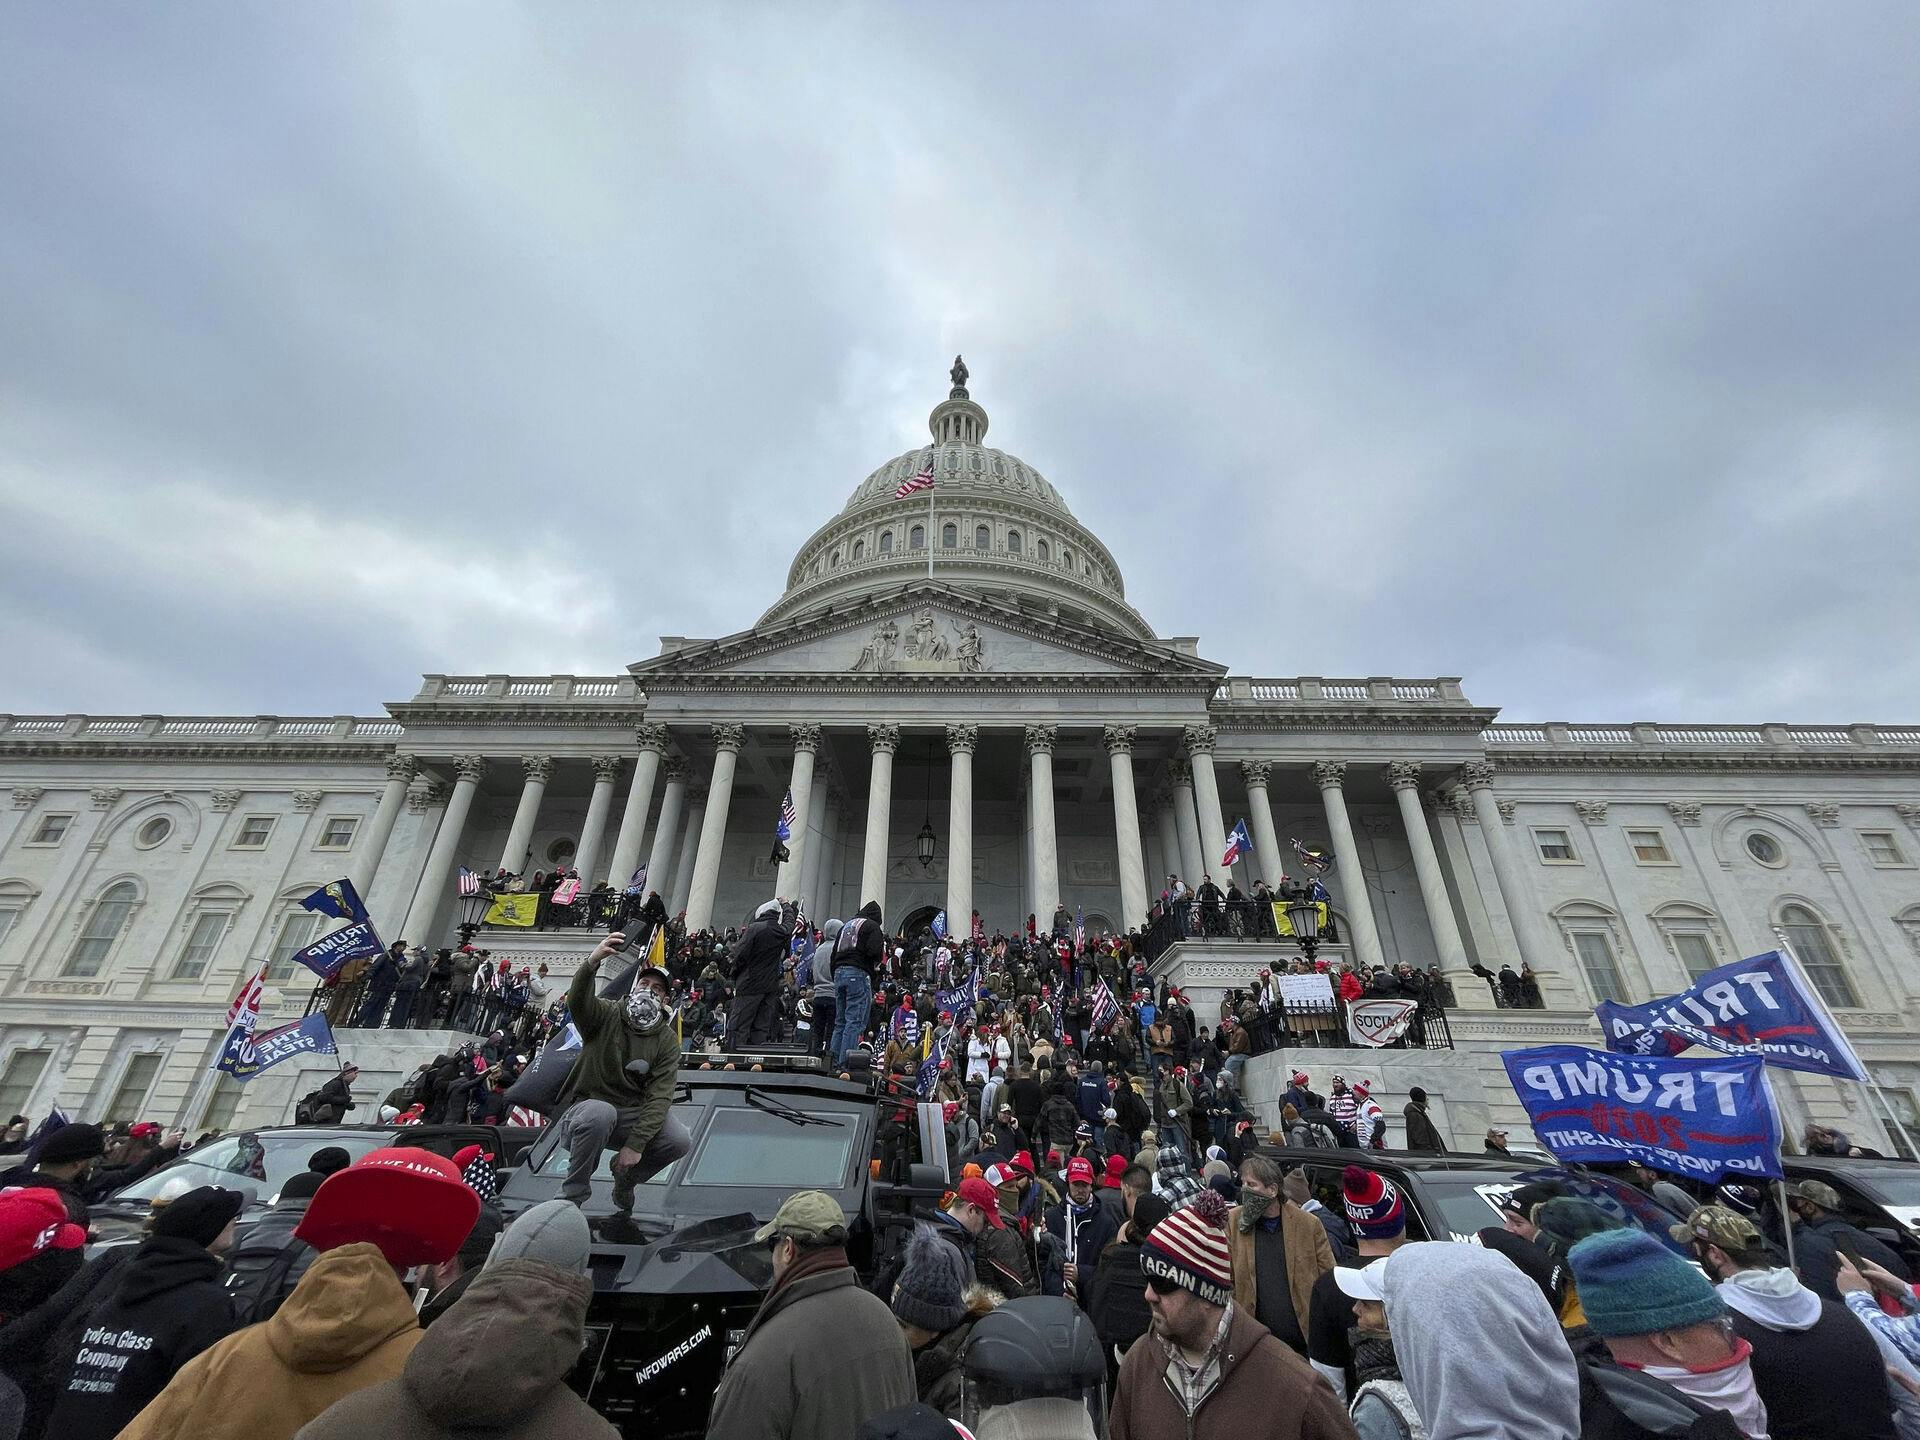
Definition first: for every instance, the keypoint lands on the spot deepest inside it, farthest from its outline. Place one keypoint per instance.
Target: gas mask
(645, 1010)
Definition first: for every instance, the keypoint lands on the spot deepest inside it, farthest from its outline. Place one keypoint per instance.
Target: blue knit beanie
(1631, 1284)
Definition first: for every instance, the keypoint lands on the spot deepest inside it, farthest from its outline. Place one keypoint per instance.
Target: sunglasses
(1162, 1286)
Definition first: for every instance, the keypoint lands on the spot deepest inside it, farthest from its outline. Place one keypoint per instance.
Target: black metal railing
(353, 1005)
(1309, 1025)
(1251, 921)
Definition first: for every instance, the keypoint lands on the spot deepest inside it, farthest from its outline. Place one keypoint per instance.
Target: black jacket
(1117, 1299)
(169, 1306)
(1093, 1228)
(267, 1262)
(757, 957)
(33, 1345)
(1826, 1380)
(868, 947)
(1839, 1232)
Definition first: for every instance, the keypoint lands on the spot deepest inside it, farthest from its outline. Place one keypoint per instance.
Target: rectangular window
(339, 832)
(9, 915)
(1555, 847)
(202, 940)
(1904, 1127)
(1649, 847)
(23, 1072)
(227, 1095)
(296, 931)
(1596, 959)
(50, 829)
(131, 1096)
(255, 831)
(1695, 951)
(1882, 847)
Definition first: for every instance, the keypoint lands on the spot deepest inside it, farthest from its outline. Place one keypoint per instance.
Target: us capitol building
(1007, 703)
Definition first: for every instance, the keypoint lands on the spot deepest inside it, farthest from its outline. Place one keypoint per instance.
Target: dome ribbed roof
(961, 466)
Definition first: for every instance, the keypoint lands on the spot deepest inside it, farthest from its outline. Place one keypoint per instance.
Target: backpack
(258, 1277)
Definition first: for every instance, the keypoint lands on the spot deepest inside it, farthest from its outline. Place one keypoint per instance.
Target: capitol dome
(997, 529)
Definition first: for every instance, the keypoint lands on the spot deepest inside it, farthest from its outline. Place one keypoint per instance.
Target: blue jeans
(852, 1003)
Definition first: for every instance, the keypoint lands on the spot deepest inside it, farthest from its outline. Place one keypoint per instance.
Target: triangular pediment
(927, 629)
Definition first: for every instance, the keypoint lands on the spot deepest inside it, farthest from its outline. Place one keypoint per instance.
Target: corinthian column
(1329, 775)
(662, 874)
(1255, 773)
(1206, 795)
(1046, 844)
(1180, 790)
(400, 772)
(539, 769)
(432, 890)
(1404, 777)
(652, 743)
(787, 880)
(606, 770)
(885, 739)
(1126, 826)
(960, 743)
(686, 840)
(727, 740)
(1514, 892)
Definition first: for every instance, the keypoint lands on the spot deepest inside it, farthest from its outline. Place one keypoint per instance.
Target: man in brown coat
(1278, 1251)
(1207, 1369)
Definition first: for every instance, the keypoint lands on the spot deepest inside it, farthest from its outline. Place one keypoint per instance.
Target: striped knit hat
(1189, 1248)
(1374, 1207)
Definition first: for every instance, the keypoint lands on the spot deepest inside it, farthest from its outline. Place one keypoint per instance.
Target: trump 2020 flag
(247, 1055)
(1758, 1006)
(1238, 843)
(338, 899)
(1703, 1119)
(328, 955)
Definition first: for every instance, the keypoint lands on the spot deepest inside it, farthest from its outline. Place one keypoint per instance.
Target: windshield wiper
(760, 1100)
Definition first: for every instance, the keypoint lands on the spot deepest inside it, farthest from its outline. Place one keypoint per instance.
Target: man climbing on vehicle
(621, 1091)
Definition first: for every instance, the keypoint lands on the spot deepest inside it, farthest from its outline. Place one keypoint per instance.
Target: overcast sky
(344, 343)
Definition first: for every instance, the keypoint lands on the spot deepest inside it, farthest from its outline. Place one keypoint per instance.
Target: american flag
(521, 1115)
(481, 1178)
(638, 880)
(1080, 930)
(469, 882)
(245, 1009)
(921, 481)
(1316, 860)
(789, 817)
(1106, 1009)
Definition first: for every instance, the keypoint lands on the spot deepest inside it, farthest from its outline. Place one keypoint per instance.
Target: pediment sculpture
(926, 648)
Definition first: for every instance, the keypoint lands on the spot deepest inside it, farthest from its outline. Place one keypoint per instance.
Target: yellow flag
(1285, 926)
(512, 910)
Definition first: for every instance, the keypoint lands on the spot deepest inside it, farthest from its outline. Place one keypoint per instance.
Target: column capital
(1200, 739)
(1461, 803)
(606, 768)
(308, 799)
(696, 795)
(1119, 738)
(961, 739)
(650, 737)
(1255, 772)
(1593, 812)
(402, 767)
(884, 739)
(470, 767)
(673, 768)
(1180, 772)
(222, 799)
(729, 737)
(1041, 739)
(1404, 774)
(420, 797)
(1687, 812)
(537, 767)
(805, 737)
(1329, 774)
(1478, 774)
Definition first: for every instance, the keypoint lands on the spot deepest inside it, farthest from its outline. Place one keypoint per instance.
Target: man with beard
(621, 1090)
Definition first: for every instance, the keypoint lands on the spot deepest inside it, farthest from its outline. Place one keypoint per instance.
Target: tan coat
(1309, 1256)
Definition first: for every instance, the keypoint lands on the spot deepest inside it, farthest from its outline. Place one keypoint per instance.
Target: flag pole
(1867, 1082)
(929, 520)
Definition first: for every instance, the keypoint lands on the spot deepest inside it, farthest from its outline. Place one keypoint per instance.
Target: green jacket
(608, 1046)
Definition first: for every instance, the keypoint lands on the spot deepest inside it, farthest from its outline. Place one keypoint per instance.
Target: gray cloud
(352, 342)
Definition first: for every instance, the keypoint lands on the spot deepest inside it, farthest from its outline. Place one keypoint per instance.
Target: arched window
(836, 560)
(109, 918)
(886, 542)
(1042, 551)
(917, 538)
(949, 536)
(1066, 557)
(982, 538)
(1808, 935)
(860, 549)
(1013, 542)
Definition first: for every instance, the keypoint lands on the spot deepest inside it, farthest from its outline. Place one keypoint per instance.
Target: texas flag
(1238, 843)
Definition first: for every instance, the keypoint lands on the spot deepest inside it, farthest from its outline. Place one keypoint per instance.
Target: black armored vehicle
(676, 1287)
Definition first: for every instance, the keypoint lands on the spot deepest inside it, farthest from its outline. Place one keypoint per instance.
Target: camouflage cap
(1717, 1225)
(810, 1216)
(1815, 1192)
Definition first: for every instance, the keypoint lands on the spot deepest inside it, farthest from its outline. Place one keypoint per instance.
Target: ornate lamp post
(926, 842)
(1303, 914)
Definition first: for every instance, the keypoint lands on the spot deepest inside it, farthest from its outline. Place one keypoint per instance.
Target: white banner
(1307, 991)
(1379, 1022)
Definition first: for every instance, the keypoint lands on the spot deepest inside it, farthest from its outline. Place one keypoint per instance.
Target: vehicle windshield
(1469, 1203)
(257, 1165)
(1889, 1186)
(740, 1146)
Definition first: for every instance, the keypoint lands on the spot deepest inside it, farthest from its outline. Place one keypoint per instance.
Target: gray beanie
(931, 1290)
(554, 1231)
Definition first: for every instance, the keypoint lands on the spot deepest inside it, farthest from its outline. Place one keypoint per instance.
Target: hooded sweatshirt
(1814, 1368)
(1480, 1351)
(495, 1364)
(348, 1324)
(861, 941)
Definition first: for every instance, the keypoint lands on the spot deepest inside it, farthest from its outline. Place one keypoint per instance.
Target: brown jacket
(1309, 1256)
(348, 1324)
(1264, 1389)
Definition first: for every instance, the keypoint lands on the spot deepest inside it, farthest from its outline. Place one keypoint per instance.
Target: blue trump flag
(1758, 1006)
(339, 900)
(247, 1055)
(1703, 1119)
(327, 955)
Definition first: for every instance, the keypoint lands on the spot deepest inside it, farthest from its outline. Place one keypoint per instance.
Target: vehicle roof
(1848, 1164)
(1460, 1161)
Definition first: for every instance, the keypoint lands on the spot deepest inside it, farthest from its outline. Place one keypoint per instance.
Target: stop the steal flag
(1758, 1006)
